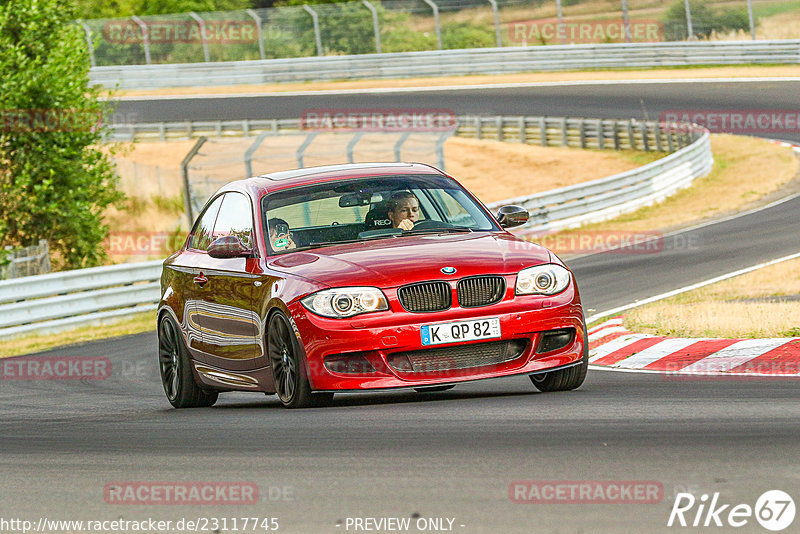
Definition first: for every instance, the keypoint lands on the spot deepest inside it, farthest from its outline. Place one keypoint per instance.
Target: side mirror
(228, 246)
(511, 216)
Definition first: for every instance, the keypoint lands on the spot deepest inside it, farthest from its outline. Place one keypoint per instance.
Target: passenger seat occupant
(403, 209)
(280, 238)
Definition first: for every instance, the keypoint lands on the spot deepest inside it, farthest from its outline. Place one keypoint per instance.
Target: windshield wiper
(454, 229)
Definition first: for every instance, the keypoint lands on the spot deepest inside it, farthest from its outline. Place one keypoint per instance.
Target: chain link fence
(25, 261)
(369, 26)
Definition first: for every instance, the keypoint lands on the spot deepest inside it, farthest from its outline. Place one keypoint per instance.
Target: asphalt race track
(438, 455)
(617, 101)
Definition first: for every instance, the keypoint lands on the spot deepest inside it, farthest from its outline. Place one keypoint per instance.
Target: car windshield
(369, 208)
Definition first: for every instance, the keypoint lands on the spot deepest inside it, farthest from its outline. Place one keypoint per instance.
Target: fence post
(601, 134)
(750, 17)
(300, 151)
(187, 191)
(626, 21)
(375, 25)
(88, 32)
(257, 18)
(145, 37)
(523, 134)
(564, 132)
(616, 135)
(352, 145)
(496, 23)
(435, 9)
(440, 149)
(202, 24)
(317, 34)
(631, 139)
(500, 133)
(248, 154)
(645, 140)
(657, 133)
(582, 132)
(688, 19)
(399, 145)
(561, 30)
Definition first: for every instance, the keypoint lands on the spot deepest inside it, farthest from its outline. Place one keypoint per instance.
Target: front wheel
(176, 369)
(288, 371)
(565, 379)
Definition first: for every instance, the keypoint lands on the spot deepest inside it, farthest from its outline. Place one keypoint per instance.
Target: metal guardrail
(449, 63)
(609, 197)
(58, 301)
(53, 302)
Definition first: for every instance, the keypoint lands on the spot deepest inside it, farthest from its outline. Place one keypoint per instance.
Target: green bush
(705, 19)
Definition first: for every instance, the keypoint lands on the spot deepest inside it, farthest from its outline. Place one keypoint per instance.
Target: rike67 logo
(774, 510)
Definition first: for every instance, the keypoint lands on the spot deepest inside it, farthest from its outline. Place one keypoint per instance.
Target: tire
(433, 389)
(175, 367)
(288, 369)
(565, 379)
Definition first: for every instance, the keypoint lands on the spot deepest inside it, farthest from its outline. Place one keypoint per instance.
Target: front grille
(457, 357)
(480, 291)
(425, 297)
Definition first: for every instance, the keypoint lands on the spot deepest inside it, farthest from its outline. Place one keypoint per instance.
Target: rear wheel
(565, 379)
(288, 371)
(176, 369)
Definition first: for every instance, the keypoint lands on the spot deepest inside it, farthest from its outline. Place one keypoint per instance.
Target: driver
(403, 209)
(279, 235)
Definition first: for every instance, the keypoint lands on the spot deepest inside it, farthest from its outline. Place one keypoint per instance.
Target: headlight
(343, 302)
(542, 280)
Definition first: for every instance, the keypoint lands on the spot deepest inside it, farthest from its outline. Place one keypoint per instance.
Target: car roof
(274, 181)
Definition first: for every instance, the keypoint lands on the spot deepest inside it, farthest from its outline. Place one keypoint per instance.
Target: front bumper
(381, 339)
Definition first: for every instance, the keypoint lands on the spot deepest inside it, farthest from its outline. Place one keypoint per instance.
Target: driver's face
(408, 208)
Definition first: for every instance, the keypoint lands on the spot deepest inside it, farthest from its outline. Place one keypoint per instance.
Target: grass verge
(763, 303)
(141, 322)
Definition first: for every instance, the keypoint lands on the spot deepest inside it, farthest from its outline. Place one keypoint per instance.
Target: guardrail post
(257, 18)
(479, 128)
(670, 140)
(248, 154)
(564, 141)
(522, 133)
(202, 24)
(317, 35)
(162, 132)
(435, 9)
(657, 132)
(582, 132)
(616, 135)
(352, 145)
(88, 32)
(301, 151)
(375, 26)
(645, 139)
(600, 134)
(543, 130)
(399, 145)
(496, 23)
(500, 136)
(145, 37)
(188, 129)
(245, 128)
(187, 190)
(631, 139)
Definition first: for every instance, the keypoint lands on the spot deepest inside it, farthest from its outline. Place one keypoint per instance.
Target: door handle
(200, 280)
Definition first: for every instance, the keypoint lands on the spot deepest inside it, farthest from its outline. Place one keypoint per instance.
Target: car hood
(403, 260)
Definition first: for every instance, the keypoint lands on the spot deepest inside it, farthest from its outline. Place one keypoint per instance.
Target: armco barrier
(53, 302)
(450, 63)
(58, 301)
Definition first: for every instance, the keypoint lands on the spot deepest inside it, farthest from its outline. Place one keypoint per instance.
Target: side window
(235, 218)
(201, 237)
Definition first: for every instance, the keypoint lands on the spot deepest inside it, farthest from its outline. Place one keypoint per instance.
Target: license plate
(434, 334)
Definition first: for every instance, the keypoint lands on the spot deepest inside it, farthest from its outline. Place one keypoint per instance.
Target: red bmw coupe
(361, 277)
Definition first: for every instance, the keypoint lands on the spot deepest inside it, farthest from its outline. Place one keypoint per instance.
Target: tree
(705, 19)
(54, 182)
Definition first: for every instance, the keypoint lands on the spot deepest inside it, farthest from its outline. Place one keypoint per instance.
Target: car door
(188, 271)
(225, 307)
